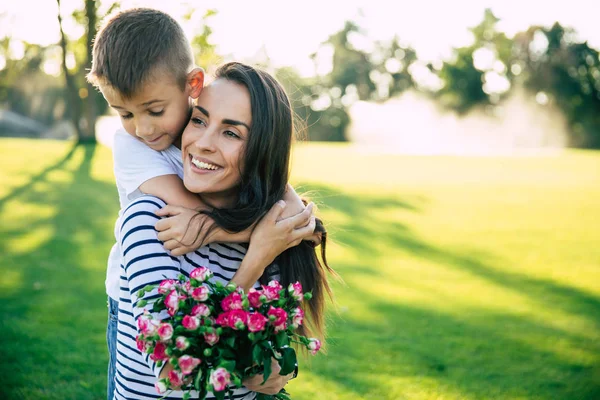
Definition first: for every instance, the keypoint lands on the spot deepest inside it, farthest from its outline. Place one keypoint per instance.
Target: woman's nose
(206, 141)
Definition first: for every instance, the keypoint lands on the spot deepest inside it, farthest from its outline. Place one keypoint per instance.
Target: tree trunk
(73, 102)
(91, 112)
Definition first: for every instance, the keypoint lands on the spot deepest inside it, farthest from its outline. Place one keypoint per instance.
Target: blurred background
(452, 147)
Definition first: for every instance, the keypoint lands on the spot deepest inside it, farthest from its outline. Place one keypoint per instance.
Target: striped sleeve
(145, 260)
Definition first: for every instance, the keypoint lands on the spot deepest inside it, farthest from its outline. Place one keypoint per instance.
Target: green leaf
(158, 306)
(219, 395)
(141, 303)
(257, 354)
(283, 395)
(266, 365)
(288, 361)
(229, 365)
(282, 339)
(230, 341)
(198, 379)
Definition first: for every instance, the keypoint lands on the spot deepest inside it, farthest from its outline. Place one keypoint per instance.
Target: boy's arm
(271, 237)
(185, 230)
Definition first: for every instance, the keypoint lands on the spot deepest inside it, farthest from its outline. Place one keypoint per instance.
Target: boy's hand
(182, 232)
(272, 236)
(295, 205)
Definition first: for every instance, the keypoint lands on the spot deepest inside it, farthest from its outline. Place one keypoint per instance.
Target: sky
(290, 31)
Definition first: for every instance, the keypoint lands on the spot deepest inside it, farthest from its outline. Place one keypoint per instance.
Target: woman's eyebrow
(236, 123)
(202, 110)
(225, 121)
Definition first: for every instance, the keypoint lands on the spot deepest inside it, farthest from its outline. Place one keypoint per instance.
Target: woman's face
(213, 142)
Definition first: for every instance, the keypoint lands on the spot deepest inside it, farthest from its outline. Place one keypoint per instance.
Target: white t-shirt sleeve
(135, 163)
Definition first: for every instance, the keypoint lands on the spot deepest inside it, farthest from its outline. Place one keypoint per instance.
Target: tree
(84, 102)
(478, 74)
(566, 71)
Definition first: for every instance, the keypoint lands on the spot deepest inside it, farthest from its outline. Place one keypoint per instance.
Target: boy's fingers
(305, 232)
(171, 244)
(302, 219)
(275, 211)
(168, 210)
(179, 251)
(164, 236)
(162, 225)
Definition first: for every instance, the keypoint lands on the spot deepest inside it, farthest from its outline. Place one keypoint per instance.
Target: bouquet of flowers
(214, 335)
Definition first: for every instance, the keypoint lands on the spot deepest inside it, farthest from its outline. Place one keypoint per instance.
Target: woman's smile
(202, 165)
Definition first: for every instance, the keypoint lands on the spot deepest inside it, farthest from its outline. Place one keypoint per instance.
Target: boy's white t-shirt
(134, 164)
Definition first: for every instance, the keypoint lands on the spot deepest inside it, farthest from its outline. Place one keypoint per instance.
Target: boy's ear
(195, 82)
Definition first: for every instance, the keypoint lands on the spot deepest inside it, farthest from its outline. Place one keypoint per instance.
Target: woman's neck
(219, 200)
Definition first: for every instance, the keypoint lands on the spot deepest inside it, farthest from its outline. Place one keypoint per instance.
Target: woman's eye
(198, 121)
(156, 113)
(231, 134)
(126, 116)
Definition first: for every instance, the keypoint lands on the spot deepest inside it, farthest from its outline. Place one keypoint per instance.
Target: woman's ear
(195, 82)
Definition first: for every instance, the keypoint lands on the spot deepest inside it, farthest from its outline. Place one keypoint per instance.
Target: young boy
(143, 65)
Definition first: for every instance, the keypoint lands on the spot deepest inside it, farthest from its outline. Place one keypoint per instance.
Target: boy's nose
(143, 130)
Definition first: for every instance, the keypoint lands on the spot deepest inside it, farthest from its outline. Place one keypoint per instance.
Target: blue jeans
(111, 340)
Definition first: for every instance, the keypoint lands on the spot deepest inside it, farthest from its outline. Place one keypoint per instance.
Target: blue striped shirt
(144, 261)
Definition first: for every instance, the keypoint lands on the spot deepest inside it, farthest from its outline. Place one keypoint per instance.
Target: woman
(236, 152)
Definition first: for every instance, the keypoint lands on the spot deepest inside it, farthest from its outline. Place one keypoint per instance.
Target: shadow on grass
(484, 355)
(54, 318)
(493, 356)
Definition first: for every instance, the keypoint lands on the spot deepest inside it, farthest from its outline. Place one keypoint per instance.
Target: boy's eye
(156, 113)
(126, 116)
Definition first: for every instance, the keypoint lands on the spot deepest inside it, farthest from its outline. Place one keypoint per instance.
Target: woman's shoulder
(141, 211)
(146, 202)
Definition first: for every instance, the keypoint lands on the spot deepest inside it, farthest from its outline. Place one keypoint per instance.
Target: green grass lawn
(465, 278)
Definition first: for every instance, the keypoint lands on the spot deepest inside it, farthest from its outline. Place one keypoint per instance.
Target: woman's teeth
(203, 165)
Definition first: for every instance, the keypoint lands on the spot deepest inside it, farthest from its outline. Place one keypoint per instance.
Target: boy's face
(156, 115)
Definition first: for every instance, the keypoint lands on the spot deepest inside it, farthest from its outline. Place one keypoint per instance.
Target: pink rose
(256, 322)
(172, 300)
(159, 352)
(165, 331)
(201, 310)
(219, 379)
(176, 379)
(295, 290)
(232, 302)
(190, 322)
(275, 284)
(187, 287)
(142, 344)
(297, 317)
(161, 386)
(254, 298)
(211, 338)
(272, 290)
(166, 286)
(200, 293)
(278, 318)
(187, 364)
(146, 324)
(238, 319)
(314, 345)
(182, 342)
(200, 274)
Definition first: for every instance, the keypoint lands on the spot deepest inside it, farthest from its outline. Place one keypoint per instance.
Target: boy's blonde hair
(136, 45)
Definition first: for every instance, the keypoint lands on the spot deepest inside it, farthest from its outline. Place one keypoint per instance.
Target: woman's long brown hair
(263, 182)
